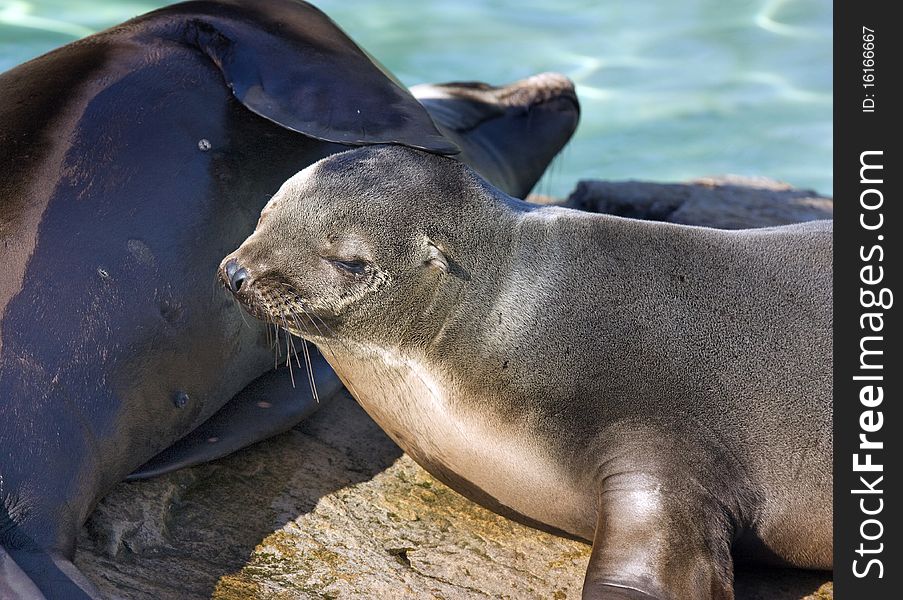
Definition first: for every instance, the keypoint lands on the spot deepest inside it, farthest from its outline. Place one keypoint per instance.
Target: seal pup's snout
(260, 288)
(234, 275)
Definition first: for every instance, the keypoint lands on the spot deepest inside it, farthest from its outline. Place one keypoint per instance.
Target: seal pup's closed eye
(614, 380)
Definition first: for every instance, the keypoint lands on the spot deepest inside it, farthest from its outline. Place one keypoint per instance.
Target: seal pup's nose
(235, 275)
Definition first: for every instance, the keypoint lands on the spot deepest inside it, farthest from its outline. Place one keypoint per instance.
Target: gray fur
(663, 391)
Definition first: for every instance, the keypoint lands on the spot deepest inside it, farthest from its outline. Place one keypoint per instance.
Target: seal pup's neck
(453, 431)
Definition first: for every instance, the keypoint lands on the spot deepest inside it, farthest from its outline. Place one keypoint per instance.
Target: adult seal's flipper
(14, 583)
(268, 406)
(58, 577)
(288, 62)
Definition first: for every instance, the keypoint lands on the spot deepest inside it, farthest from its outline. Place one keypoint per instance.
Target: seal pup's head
(369, 244)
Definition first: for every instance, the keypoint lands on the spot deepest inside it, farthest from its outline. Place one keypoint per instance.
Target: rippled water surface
(670, 90)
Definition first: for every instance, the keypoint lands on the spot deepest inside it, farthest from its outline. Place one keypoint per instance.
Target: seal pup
(130, 162)
(661, 391)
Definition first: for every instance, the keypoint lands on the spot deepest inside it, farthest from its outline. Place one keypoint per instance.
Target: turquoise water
(670, 90)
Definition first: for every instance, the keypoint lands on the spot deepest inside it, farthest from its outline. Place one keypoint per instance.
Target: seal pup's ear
(438, 260)
(435, 258)
(289, 63)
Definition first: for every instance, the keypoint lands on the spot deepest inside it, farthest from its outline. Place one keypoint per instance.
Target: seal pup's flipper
(659, 539)
(270, 405)
(511, 132)
(287, 62)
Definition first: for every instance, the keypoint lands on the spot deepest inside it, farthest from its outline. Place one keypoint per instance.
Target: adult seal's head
(662, 391)
(507, 119)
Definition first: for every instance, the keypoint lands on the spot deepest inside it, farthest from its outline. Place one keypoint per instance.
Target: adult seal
(659, 390)
(130, 162)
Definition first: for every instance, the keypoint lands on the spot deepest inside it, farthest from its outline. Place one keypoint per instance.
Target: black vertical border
(855, 132)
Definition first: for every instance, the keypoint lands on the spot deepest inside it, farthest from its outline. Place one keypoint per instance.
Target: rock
(333, 509)
(729, 202)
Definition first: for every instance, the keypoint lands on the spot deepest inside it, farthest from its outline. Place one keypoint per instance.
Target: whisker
(288, 348)
(310, 373)
(276, 347)
(307, 356)
(307, 360)
(241, 312)
(290, 343)
(290, 339)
